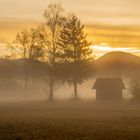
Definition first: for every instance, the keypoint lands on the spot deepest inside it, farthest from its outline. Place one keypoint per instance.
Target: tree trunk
(26, 77)
(75, 89)
(25, 86)
(51, 90)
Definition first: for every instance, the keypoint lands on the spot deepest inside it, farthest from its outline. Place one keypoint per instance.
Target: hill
(117, 63)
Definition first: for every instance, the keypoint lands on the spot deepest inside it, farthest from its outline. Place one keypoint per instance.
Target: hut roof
(108, 82)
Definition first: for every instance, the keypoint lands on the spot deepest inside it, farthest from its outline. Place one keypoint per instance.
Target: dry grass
(69, 121)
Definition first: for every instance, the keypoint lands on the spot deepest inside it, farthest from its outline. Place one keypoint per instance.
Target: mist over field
(63, 93)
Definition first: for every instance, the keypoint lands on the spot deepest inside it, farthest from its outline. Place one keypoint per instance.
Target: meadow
(69, 120)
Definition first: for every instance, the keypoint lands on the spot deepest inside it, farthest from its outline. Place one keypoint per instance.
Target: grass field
(69, 121)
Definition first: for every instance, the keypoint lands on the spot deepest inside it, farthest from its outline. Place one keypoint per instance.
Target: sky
(115, 23)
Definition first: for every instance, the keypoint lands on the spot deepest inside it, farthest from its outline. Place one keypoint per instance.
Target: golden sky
(109, 23)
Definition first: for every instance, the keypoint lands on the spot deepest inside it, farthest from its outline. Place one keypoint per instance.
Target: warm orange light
(102, 49)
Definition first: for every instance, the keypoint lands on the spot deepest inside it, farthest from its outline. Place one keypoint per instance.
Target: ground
(69, 120)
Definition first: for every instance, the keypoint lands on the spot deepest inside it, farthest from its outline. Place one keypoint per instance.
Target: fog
(29, 114)
(64, 92)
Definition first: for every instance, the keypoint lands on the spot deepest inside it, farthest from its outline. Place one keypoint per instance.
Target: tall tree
(54, 21)
(75, 50)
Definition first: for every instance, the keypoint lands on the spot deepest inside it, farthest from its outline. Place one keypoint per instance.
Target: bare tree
(28, 46)
(54, 21)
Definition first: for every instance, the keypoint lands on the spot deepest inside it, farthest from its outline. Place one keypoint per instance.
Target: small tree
(75, 51)
(28, 46)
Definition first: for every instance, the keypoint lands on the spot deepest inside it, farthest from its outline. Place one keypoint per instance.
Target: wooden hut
(109, 89)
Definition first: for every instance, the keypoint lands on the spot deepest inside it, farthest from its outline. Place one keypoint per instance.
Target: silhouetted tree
(28, 46)
(54, 21)
(75, 51)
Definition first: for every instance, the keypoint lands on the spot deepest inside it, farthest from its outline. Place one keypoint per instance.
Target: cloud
(115, 11)
(10, 26)
(114, 35)
(117, 37)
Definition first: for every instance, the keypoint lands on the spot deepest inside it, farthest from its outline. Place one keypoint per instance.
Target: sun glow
(102, 49)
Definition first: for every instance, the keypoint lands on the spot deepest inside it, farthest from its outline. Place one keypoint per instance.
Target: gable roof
(108, 82)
